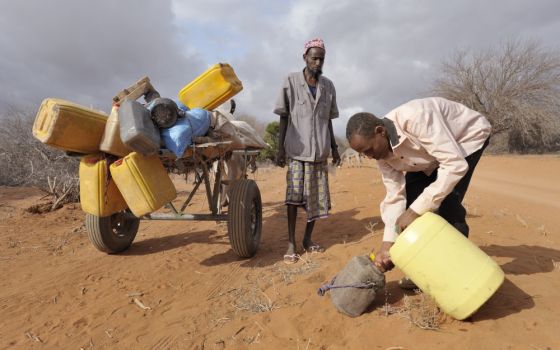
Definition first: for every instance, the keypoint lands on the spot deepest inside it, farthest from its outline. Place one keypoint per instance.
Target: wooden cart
(115, 233)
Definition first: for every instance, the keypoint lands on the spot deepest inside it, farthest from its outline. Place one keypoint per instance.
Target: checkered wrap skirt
(308, 186)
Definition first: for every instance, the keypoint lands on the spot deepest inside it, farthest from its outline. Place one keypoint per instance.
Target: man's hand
(383, 259)
(335, 156)
(281, 158)
(406, 219)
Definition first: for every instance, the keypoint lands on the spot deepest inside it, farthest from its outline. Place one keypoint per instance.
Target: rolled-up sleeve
(434, 135)
(282, 106)
(394, 203)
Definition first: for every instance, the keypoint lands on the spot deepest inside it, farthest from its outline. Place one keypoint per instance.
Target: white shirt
(427, 134)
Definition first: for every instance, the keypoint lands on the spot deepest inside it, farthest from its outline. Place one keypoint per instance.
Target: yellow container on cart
(143, 182)
(446, 265)
(212, 88)
(68, 126)
(99, 195)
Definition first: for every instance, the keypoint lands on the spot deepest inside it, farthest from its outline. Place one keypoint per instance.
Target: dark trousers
(451, 209)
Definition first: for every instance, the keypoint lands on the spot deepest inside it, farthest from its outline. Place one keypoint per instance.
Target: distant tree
(517, 86)
(271, 135)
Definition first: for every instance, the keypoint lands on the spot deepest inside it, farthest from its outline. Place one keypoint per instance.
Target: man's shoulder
(414, 107)
(327, 80)
(293, 75)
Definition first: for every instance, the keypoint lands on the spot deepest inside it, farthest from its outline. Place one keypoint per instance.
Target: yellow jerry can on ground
(212, 88)
(69, 126)
(446, 265)
(99, 195)
(111, 140)
(143, 182)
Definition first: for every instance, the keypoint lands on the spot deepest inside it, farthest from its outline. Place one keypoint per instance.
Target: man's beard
(316, 73)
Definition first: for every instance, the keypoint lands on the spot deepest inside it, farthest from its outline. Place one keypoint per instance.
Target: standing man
(306, 106)
(426, 150)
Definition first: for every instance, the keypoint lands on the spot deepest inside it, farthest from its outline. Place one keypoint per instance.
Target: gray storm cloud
(379, 53)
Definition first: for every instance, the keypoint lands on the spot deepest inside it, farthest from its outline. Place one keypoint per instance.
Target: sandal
(291, 258)
(315, 248)
(407, 284)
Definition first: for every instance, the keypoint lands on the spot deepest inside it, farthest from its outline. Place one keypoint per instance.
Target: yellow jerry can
(212, 88)
(69, 126)
(444, 264)
(143, 182)
(99, 195)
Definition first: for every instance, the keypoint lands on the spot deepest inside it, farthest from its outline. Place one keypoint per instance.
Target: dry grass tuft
(420, 310)
(288, 272)
(253, 300)
(371, 227)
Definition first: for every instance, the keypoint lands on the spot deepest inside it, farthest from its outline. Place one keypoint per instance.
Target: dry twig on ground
(421, 311)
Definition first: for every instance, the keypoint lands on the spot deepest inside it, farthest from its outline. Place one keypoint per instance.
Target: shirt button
(402, 157)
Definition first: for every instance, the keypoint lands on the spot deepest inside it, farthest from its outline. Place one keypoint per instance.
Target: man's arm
(440, 143)
(394, 203)
(333, 115)
(282, 108)
(392, 207)
(334, 146)
(281, 156)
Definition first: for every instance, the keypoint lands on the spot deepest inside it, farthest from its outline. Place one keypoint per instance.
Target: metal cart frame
(116, 233)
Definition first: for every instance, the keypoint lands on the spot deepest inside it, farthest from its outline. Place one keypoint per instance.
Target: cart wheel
(244, 217)
(112, 234)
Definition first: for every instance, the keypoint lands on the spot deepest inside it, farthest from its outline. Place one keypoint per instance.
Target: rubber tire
(111, 234)
(244, 202)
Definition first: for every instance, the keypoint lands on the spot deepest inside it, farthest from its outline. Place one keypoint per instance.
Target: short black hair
(363, 124)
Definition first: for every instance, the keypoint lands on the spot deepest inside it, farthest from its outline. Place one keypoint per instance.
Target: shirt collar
(394, 137)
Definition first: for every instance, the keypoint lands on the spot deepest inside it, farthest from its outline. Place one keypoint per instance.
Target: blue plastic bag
(178, 137)
(181, 106)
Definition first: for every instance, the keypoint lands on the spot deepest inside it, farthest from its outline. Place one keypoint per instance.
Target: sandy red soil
(58, 292)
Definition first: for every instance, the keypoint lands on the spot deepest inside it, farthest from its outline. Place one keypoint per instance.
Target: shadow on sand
(159, 244)
(527, 260)
(338, 228)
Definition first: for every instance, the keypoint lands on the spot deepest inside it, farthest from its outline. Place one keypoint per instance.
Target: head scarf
(314, 43)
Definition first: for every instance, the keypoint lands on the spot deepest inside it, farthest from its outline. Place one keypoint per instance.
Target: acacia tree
(24, 161)
(517, 86)
(271, 135)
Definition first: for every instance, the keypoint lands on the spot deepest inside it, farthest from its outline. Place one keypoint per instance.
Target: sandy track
(57, 291)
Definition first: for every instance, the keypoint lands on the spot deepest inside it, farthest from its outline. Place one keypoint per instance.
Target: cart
(115, 233)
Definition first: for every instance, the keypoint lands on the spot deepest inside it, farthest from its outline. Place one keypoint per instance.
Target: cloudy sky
(380, 53)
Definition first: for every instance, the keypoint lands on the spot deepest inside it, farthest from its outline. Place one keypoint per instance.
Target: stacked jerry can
(120, 168)
(144, 182)
(212, 88)
(109, 185)
(111, 141)
(99, 194)
(68, 126)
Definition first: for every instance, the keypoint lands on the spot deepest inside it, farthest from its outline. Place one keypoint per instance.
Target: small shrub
(24, 161)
